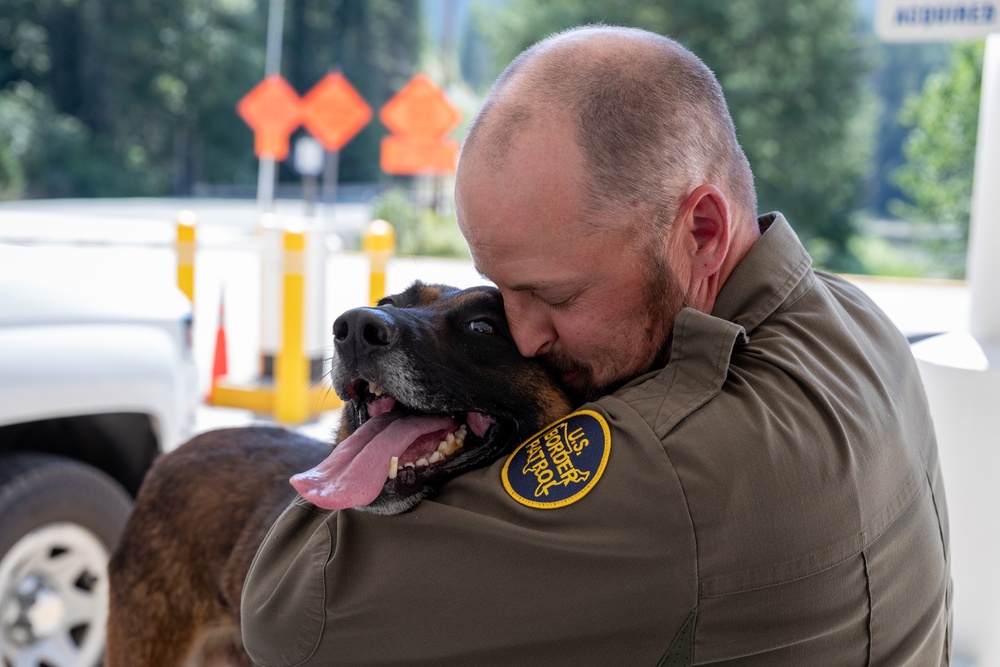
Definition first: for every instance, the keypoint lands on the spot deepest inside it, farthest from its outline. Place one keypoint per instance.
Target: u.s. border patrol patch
(561, 463)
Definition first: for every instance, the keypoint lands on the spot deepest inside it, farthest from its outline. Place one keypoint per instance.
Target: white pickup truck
(95, 382)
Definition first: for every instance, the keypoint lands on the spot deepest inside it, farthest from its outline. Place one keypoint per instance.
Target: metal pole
(331, 167)
(449, 63)
(272, 65)
(270, 272)
(275, 32)
(265, 184)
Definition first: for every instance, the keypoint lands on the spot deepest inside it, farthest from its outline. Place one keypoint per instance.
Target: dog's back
(189, 543)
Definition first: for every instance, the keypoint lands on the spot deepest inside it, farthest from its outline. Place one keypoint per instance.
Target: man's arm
(480, 575)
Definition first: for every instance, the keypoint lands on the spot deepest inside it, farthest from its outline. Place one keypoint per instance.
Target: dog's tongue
(355, 472)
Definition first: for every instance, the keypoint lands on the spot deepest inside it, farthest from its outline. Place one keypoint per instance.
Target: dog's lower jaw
(389, 505)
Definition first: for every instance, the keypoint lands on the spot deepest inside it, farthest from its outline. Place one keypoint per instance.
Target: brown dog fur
(177, 575)
(185, 609)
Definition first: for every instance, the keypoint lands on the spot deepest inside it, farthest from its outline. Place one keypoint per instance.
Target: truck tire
(61, 520)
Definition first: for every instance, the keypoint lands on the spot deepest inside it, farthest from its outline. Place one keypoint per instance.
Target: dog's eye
(481, 326)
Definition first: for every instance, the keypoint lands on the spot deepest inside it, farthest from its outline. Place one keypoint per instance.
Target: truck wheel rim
(54, 588)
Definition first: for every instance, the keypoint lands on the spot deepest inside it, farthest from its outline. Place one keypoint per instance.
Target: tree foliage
(138, 97)
(420, 230)
(792, 72)
(375, 43)
(899, 71)
(940, 154)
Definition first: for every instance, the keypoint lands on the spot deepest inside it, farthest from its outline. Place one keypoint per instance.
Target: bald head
(648, 116)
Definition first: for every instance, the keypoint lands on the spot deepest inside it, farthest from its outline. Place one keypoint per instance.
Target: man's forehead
(513, 124)
(538, 185)
(538, 260)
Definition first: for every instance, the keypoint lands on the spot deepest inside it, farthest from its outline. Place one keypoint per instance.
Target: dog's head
(433, 386)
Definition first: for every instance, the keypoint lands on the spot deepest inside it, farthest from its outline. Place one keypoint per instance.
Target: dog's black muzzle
(360, 332)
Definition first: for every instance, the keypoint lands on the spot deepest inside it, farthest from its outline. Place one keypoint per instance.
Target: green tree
(420, 231)
(38, 144)
(900, 69)
(149, 87)
(143, 81)
(940, 154)
(792, 72)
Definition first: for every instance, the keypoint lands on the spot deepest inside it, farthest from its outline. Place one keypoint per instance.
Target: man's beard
(663, 300)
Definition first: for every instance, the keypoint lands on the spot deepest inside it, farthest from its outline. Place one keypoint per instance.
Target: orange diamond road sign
(419, 115)
(420, 109)
(418, 155)
(334, 112)
(273, 110)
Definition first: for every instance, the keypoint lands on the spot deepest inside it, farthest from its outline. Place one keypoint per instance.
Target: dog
(433, 386)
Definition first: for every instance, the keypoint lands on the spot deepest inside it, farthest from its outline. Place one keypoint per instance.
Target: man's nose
(530, 326)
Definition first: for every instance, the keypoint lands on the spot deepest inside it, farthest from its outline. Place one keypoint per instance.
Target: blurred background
(867, 147)
(141, 231)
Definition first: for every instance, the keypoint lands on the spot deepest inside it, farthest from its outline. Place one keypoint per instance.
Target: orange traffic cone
(220, 366)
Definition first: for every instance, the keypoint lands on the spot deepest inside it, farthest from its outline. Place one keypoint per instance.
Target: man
(755, 479)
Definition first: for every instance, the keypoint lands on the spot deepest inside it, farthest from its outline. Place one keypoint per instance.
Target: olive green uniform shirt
(771, 497)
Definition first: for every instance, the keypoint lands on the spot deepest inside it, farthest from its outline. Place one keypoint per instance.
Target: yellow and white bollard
(291, 398)
(379, 243)
(291, 371)
(185, 247)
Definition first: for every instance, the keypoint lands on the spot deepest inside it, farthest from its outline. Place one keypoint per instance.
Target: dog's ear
(418, 294)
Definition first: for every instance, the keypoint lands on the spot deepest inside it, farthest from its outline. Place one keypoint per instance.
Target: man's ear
(704, 230)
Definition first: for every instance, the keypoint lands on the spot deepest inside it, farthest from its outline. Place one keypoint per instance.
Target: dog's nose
(364, 328)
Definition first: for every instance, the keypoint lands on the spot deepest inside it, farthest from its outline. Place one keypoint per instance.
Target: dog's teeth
(451, 445)
(375, 389)
(393, 467)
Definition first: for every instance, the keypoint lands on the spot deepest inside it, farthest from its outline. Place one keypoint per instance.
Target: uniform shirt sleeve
(479, 576)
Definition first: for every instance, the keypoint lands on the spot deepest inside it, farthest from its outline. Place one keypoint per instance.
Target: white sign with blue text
(940, 20)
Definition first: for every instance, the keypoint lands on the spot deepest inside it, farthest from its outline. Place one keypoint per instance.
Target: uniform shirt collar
(776, 267)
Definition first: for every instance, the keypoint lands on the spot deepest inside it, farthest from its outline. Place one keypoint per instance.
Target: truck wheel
(61, 519)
